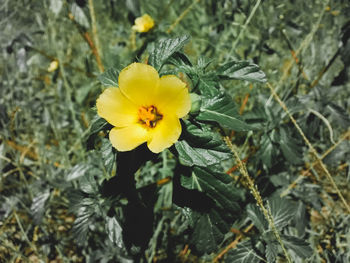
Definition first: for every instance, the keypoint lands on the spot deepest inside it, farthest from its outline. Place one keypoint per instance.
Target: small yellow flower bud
(143, 23)
(53, 66)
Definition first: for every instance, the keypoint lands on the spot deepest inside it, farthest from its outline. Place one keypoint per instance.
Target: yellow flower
(145, 108)
(53, 66)
(143, 24)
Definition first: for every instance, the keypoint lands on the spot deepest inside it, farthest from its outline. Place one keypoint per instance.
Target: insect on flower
(145, 108)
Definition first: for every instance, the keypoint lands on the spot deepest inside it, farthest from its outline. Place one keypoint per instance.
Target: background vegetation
(52, 209)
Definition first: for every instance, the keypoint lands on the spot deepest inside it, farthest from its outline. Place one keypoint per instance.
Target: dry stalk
(255, 192)
(312, 149)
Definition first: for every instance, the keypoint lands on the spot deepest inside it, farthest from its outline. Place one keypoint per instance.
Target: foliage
(67, 195)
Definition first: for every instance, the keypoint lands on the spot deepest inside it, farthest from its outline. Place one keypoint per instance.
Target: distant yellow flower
(143, 24)
(145, 108)
(53, 66)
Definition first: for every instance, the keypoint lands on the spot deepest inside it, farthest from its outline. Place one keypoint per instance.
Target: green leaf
(209, 231)
(245, 253)
(216, 186)
(109, 78)
(282, 211)
(267, 151)
(241, 70)
(79, 15)
(114, 231)
(298, 246)
(82, 223)
(56, 6)
(271, 251)
(97, 124)
(218, 219)
(163, 50)
(290, 148)
(257, 217)
(88, 184)
(78, 171)
(200, 147)
(38, 205)
(108, 155)
(221, 109)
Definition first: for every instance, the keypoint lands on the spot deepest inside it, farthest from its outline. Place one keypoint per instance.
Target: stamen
(149, 116)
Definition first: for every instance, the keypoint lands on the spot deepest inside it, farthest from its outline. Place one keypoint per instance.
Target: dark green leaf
(200, 147)
(82, 223)
(209, 231)
(282, 211)
(108, 155)
(219, 217)
(163, 50)
(88, 184)
(298, 246)
(109, 78)
(38, 206)
(242, 70)
(78, 171)
(114, 231)
(290, 148)
(245, 253)
(97, 124)
(221, 109)
(257, 217)
(268, 151)
(271, 251)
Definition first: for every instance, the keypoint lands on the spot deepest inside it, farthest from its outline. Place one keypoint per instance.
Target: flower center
(149, 116)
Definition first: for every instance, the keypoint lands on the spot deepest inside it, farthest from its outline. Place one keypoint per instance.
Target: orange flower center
(149, 116)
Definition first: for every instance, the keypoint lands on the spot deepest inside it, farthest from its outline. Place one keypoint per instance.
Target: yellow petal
(173, 97)
(165, 134)
(138, 82)
(115, 108)
(143, 23)
(128, 138)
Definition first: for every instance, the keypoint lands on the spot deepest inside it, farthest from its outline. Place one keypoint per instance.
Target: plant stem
(255, 192)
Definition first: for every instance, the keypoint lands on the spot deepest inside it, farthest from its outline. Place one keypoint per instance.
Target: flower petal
(165, 134)
(173, 97)
(138, 82)
(128, 138)
(115, 108)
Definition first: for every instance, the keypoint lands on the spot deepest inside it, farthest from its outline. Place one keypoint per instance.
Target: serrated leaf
(257, 217)
(82, 223)
(282, 211)
(219, 217)
(208, 232)
(78, 171)
(267, 151)
(79, 15)
(109, 78)
(114, 231)
(200, 147)
(215, 185)
(221, 109)
(290, 148)
(241, 70)
(298, 246)
(245, 253)
(164, 48)
(38, 206)
(88, 184)
(271, 251)
(97, 124)
(108, 156)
